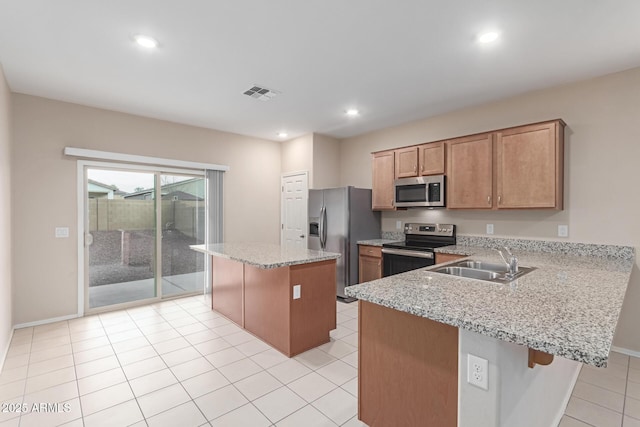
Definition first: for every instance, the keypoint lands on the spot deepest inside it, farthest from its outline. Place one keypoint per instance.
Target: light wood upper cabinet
(470, 172)
(406, 162)
(383, 169)
(529, 166)
(431, 158)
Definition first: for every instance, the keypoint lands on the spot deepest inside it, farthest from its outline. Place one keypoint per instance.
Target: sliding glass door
(138, 227)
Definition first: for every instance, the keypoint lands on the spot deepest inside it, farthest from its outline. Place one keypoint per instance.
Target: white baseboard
(565, 401)
(626, 351)
(45, 321)
(6, 350)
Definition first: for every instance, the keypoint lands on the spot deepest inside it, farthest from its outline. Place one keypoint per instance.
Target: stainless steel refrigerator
(338, 218)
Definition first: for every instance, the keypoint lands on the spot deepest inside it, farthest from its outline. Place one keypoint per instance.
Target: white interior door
(294, 210)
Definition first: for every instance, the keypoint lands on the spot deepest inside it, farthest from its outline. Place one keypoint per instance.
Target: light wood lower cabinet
(442, 258)
(407, 369)
(369, 263)
(261, 301)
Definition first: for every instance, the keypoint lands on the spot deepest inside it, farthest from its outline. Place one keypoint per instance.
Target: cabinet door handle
(499, 199)
(415, 168)
(488, 200)
(378, 263)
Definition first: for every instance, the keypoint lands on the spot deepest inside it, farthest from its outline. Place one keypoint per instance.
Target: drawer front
(372, 251)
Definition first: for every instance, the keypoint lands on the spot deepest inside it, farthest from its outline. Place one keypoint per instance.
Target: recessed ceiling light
(352, 112)
(146, 41)
(488, 37)
(283, 134)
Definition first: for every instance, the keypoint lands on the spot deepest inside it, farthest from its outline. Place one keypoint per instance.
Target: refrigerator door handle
(323, 227)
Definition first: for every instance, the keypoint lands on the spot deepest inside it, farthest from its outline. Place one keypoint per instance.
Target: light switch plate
(563, 231)
(398, 225)
(489, 228)
(62, 232)
(296, 291)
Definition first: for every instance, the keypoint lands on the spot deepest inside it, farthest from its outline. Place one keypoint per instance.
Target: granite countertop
(569, 306)
(376, 242)
(265, 255)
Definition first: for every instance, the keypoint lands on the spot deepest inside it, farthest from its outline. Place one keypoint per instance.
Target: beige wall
(326, 162)
(6, 323)
(44, 188)
(602, 199)
(297, 155)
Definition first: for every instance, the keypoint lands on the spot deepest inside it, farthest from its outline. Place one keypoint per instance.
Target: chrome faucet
(511, 261)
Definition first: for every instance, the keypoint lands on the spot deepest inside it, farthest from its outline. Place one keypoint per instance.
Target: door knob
(302, 236)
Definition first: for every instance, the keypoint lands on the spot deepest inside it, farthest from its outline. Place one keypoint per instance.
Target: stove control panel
(430, 229)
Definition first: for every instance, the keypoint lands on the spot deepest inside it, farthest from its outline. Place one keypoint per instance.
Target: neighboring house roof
(105, 186)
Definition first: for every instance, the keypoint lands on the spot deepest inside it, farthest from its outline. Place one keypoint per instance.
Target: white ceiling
(394, 60)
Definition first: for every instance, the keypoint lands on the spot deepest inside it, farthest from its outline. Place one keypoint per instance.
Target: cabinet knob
(378, 263)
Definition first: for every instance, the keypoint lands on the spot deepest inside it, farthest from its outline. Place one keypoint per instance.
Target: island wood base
(407, 369)
(261, 301)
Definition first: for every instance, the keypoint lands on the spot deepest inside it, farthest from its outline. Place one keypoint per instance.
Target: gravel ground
(105, 258)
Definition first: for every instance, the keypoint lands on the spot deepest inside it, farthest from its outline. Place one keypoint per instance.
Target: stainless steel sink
(482, 270)
(471, 273)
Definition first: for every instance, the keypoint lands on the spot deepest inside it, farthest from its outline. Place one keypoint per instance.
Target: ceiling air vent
(261, 93)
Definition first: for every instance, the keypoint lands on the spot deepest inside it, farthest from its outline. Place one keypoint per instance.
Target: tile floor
(179, 363)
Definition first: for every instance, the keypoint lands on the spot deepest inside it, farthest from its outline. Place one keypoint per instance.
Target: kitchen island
(285, 297)
(418, 328)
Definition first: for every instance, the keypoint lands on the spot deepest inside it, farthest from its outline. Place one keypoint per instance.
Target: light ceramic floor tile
(15, 422)
(288, 371)
(246, 415)
(102, 380)
(340, 332)
(269, 358)
(191, 368)
(124, 336)
(311, 386)
(50, 343)
(211, 346)
(341, 306)
(338, 372)
(10, 390)
(93, 354)
(567, 421)
(619, 358)
(216, 323)
(16, 350)
(180, 356)
(75, 423)
(123, 414)
(162, 336)
(200, 337)
(238, 370)
(603, 380)
(152, 382)
(16, 361)
(315, 358)
(205, 383)
(227, 329)
(54, 364)
(634, 375)
(258, 385)
(162, 400)
(52, 353)
(192, 328)
(105, 398)
(338, 405)
(351, 359)
(50, 379)
(171, 345)
(351, 387)
(58, 393)
(144, 367)
(89, 344)
(133, 356)
(220, 402)
(41, 419)
(630, 422)
(185, 415)
(182, 322)
(352, 339)
(86, 335)
(119, 327)
(633, 390)
(279, 404)
(591, 413)
(632, 408)
(252, 347)
(239, 338)
(225, 357)
(613, 370)
(599, 395)
(354, 422)
(308, 416)
(634, 362)
(95, 367)
(337, 348)
(351, 324)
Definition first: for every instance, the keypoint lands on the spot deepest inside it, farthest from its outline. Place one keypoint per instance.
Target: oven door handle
(403, 252)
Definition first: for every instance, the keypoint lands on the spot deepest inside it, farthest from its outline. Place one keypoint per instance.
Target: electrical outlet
(398, 225)
(296, 291)
(563, 231)
(489, 228)
(62, 232)
(478, 371)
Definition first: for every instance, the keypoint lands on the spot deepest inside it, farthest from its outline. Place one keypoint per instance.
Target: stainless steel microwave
(423, 191)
